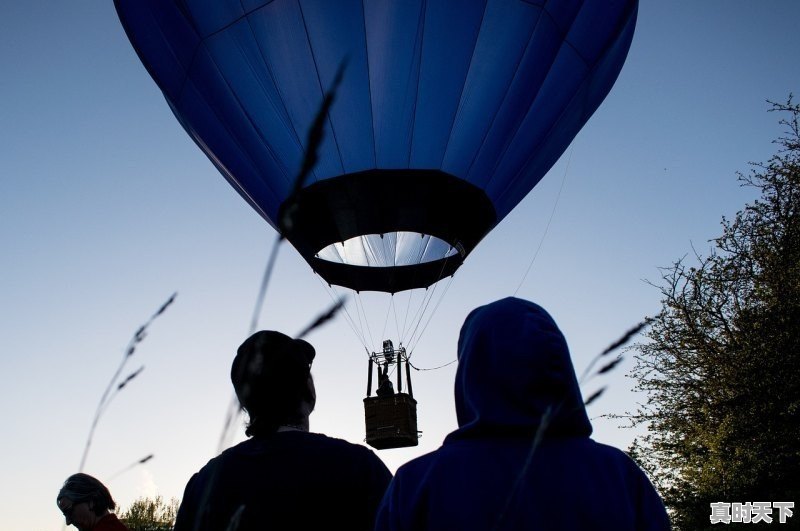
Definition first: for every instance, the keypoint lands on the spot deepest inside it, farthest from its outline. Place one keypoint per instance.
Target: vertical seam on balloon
(425, 249)
(253, 123)
(587, 79)
(387, 251)
(321, 89)
(245, 14)
(289, 122)
(189, 64)
(505, 96)
(369, 86)
(517, 128)
(464, 83)
(423, 15)
(233, 137)
(231, 23)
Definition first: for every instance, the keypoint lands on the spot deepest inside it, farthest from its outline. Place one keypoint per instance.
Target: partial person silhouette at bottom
(521, 457)
(283, 476)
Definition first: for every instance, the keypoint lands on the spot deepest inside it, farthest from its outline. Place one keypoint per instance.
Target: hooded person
(283, 476)
(521, 457)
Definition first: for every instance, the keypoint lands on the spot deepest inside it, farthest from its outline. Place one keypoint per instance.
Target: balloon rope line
(420, 315)
(444, 265)
(414, 338)
(431, 368)
(360, 304)
(360, 321)
(433, 312)
(348, 317)
(234, 409)
(547, 227)
(405, 319)
(386, 321)
(396, 322)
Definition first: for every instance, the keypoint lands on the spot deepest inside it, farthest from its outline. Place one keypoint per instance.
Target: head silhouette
(271, 375)
(84, 500)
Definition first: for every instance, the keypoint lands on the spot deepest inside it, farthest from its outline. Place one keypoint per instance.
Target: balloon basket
(391, 421)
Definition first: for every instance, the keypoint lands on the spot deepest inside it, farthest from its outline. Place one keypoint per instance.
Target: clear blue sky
(107, 207)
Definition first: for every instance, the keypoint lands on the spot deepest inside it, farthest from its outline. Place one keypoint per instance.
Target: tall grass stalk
(551, 412)
(310, 158)
(114, 384)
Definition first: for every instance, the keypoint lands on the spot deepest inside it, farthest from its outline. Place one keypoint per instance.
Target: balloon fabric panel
(449, 112)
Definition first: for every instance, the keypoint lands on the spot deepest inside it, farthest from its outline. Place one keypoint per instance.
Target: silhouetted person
(385, 387)
(87, 504)
(521, 457)
(283, 477)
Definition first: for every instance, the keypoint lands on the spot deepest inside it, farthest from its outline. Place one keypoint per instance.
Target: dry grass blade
(544, 423)
(323, 318)
(313, 143)
(315, 137)
(594, 396)
(141, 461)
(611, 348)
(236, 518)
(625, 338)
(107, 397)
(165, 306)
(130, 377)
(316, 133)
(609, 366)
(262, 292)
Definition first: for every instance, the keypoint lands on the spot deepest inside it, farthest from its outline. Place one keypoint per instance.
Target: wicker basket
(391, 421)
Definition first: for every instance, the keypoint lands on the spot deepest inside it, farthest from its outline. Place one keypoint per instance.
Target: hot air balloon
(448, 113)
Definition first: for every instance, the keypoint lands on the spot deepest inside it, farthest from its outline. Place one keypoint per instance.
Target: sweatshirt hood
(513, 367)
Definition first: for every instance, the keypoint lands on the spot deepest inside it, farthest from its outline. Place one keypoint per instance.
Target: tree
(150, 514)
(720, 365)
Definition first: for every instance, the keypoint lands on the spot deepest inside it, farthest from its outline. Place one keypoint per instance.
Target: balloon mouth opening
(387, 230)
(391, 249)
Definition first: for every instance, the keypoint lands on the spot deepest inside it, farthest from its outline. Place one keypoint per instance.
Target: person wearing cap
(521, 457)
(284, 476)
(87, 504)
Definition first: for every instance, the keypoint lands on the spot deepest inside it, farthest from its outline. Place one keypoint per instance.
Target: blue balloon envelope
(447, 114)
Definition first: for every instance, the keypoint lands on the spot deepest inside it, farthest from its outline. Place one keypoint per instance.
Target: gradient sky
(107, 207)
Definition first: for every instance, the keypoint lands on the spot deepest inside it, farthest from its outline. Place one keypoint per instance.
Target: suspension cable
(547, 227)
(349, 318)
